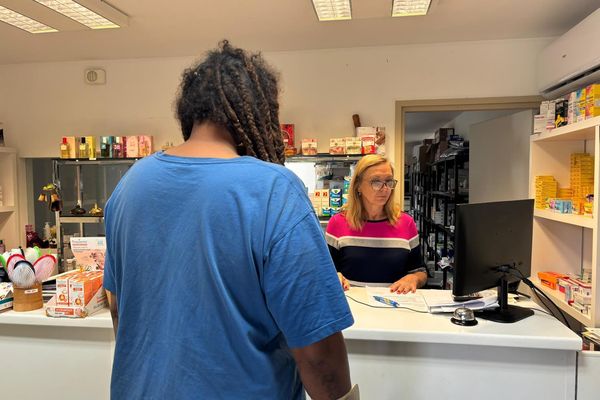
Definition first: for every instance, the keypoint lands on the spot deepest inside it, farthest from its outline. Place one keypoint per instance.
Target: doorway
(459, 151)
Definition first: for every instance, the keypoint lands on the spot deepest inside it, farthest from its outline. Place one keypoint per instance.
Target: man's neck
(206, 140)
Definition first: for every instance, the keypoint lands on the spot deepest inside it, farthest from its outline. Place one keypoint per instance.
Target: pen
(386, 301)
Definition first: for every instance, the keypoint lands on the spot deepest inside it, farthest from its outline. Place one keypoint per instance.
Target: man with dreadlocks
(219, 279)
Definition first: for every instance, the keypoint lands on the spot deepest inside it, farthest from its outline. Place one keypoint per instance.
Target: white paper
(432, 300)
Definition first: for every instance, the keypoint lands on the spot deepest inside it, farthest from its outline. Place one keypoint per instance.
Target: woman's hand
(407, 284)
(343, 281)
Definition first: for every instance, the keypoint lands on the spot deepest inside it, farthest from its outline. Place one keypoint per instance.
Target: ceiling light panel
(409, 8)
(79, 13)
(23, 22)
(333, 10)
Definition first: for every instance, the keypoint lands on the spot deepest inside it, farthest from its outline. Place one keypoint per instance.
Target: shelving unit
(341, 164)
(9, 219)
(436, 187)
(80, 191)
(566, 243)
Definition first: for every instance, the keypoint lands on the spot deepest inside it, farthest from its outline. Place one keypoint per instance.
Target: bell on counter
(96, 211)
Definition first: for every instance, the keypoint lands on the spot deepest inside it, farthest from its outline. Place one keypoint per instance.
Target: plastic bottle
(47, 235)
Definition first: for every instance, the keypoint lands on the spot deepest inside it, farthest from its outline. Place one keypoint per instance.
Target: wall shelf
(559, 299)
(566, 243)
(578, 220)
(584, 130)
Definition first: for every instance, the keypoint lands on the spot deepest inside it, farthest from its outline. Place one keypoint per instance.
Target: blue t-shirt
(219, 267)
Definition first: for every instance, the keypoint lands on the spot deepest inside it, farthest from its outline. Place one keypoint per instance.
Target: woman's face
(376, 173)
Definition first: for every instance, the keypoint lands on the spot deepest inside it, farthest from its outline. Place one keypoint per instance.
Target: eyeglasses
(378, 185)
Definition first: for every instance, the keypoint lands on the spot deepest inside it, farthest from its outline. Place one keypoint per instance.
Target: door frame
(467, 104)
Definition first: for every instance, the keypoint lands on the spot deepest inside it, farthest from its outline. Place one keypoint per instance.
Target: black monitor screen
(490, 236)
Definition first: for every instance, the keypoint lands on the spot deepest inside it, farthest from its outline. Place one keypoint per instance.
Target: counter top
(100, 319)
(539, 331)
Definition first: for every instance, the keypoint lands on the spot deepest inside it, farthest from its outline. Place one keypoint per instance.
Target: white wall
(39, 103)
(462, 124)
(499, 158)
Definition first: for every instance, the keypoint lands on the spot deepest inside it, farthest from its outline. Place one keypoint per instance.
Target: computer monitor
(491, 239)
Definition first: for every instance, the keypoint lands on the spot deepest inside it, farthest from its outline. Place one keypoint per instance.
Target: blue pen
(387, 301)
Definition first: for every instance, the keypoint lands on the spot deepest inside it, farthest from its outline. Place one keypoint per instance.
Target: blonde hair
(354, 210)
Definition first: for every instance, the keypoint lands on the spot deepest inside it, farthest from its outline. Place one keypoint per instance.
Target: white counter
(541, 331)
(100, 319)
(397, 353)
(393, 353)
(55, 358)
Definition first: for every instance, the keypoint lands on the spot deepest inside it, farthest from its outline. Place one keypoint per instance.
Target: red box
(287, 130)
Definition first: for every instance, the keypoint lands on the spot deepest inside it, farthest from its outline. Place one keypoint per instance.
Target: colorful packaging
(368, 144)
(287, 131)
(73, 146)
(91, 147)
(579, 106)
(571, 108)
(337, 146)
(561, 113)
(335, 198)
(592, 101)
(62, 287)
(539, 123)
(309, 147)
(353, 145)
(132, 147)
(144, 145)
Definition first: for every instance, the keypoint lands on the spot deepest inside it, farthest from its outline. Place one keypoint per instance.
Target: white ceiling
(159, 28)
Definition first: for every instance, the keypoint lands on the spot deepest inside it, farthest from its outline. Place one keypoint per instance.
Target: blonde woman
(371, 241)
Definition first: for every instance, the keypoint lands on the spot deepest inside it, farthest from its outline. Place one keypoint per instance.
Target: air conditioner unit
(572, 61)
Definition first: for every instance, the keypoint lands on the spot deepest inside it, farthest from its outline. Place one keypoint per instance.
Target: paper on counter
(432, 300)
(442, 301)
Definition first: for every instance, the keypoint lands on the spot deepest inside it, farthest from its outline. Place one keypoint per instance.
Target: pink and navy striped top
(379, 253)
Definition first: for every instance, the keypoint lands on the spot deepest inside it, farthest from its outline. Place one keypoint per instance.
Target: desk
(397, 353)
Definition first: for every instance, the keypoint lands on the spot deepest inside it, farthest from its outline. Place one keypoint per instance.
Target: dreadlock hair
(237, 91)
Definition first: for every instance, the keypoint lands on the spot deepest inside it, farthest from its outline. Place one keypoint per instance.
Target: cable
(389, 308)
(522, 294)
(537, 292)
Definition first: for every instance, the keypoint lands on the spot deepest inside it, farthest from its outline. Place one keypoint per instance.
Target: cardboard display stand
(98, 302)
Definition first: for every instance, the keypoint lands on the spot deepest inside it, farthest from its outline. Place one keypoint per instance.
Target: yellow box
(592, 101)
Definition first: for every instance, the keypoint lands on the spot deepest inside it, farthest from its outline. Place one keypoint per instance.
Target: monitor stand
(505, 313)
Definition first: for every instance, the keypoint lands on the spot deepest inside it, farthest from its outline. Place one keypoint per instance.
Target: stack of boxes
(582, 180)
(578, 106)
(328, 202)
(76, 288)
(352, 145)
(577, 291)
(545, 187)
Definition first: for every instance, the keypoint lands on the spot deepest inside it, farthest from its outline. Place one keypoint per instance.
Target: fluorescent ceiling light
(333, 10)
(408, 8)
(79, 13)
(23, 22)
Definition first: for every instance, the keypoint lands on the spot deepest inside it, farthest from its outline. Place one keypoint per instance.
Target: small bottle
(47, 234)
(64, 148)
(104, 147)
(117, 148)
(83, 149)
